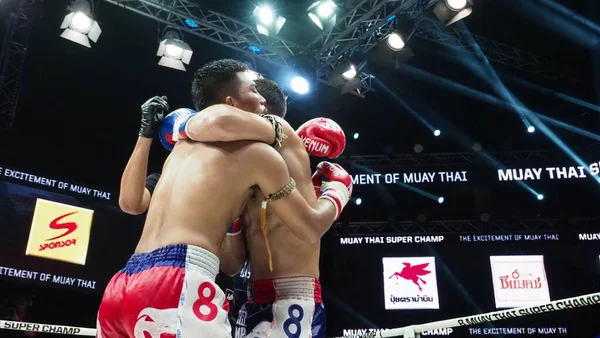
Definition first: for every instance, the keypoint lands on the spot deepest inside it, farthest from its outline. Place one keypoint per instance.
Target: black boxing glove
(153, 112)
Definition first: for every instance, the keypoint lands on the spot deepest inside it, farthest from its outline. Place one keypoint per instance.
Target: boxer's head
(274, 98)
(226, 81)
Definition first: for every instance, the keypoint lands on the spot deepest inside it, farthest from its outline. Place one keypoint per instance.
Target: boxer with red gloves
(293, 284)
(322, 137)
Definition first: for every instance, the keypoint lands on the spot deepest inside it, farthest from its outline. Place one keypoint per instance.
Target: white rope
(47, 328)
(407, 332)
(557, 305)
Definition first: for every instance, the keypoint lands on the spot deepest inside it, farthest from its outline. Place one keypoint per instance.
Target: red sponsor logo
(413, 273)
(58, 244)
(69, 228)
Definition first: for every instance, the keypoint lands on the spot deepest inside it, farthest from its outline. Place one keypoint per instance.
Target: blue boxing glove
(173, 126)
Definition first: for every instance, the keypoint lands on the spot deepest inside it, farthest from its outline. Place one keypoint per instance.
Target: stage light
(268, 22)
(358, 201)
(451, 11)
(531, 129)
(418, 148)
(191, 23)
(79, 26)
(173, 51)
(395, 42)
(456, 5)
(300, 85)
(322, 13)
(350, 73)
(440, 200)
(477, 147)
(356, 136)
(540, 197)
(437, 132)
(254, 49)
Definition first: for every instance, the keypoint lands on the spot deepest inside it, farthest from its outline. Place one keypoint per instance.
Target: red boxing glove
(236, 228)
(335, 185)
(322, 137)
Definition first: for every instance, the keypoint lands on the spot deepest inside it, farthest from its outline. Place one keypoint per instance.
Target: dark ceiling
(78, 109)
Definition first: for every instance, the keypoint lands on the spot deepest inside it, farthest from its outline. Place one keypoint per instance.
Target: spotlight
(358, 201)
(300, 85)
(451, 11)
(456, 5)
(79, 26)
(418, 148)
(440, 200)
(173, 51)
(531, 129)
(322, 13)
(350, 73)
(540, 197)
(437, 132)
(393, 51)
(268, 22)
(395, 42)
(356, 136)
(344, 76)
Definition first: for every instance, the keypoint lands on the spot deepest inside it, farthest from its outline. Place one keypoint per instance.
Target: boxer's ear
(229, 101)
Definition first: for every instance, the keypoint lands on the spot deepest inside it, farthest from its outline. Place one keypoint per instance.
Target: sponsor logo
(413, 273)
(519, 281)
(410, 283)
(59, 232)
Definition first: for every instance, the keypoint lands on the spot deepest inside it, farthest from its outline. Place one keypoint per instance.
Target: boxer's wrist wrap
(279, 135)
(180, 128)
(263, 214)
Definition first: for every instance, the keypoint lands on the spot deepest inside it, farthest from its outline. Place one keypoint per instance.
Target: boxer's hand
(335, 184)
(322, 137)
(236, 228)
(172, 128)
(153, 112)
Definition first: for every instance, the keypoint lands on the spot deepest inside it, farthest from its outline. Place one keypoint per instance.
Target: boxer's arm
(134, 198)
(303, 220)
(224, 123)
(232, 253)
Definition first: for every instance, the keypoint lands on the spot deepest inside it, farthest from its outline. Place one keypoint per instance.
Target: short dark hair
(215, 80)
(274, 97)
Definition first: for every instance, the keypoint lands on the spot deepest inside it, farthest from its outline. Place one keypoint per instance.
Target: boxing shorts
(169, 292)
(282, 308)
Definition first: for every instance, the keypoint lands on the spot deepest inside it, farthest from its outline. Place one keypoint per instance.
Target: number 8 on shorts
(292, 326)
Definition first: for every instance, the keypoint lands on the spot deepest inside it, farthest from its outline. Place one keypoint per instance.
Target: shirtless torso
(198, 195)
(292, 257)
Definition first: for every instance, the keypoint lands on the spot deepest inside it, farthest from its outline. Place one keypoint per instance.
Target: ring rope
(557, 305)
(408, 331)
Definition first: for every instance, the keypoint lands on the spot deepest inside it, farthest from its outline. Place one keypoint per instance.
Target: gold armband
(263, 214)
(279, 134)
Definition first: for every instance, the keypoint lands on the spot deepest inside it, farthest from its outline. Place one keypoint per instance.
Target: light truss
(357, 31)
(215, 27)
(12, 59)
(536, 225)
(497, 52)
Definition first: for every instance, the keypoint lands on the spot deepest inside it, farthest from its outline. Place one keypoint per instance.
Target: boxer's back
(200, 192)
(291, 256)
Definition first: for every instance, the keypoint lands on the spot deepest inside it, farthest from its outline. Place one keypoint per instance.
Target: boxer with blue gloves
(168, 286)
